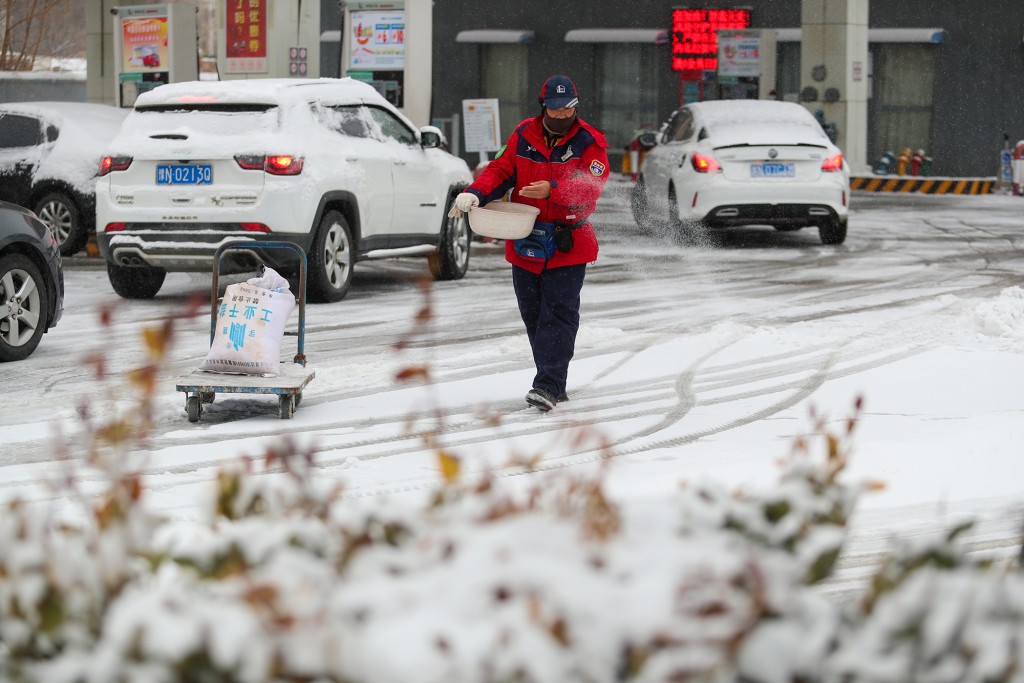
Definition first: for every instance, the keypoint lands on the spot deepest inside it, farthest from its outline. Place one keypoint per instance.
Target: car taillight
(274, 164)
(250, 162)
(108, 164)
(702, 163)
(834, 163)
(284, 165)
(254, 227)
(114, 227)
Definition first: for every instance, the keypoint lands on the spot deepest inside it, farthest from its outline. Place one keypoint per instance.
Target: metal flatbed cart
(201, 386)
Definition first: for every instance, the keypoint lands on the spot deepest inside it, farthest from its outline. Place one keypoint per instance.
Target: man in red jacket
(558, 163)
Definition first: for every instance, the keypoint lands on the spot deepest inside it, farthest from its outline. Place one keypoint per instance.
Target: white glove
(463, 203)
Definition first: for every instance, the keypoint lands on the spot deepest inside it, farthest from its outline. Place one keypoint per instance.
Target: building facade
(944, 76)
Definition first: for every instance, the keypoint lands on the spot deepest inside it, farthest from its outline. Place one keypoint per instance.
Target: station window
(629, 88)
(903, 92)
(504, 79)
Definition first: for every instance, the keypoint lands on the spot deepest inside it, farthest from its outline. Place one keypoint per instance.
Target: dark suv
(49, 160)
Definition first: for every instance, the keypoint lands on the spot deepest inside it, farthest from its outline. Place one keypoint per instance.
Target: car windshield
(221, 119)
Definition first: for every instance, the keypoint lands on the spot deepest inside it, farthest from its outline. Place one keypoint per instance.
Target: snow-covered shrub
(286, 580)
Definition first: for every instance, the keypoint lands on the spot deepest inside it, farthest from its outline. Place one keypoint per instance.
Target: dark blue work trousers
(550, 306)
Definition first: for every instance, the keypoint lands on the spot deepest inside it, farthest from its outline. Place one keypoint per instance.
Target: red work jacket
(576, 167)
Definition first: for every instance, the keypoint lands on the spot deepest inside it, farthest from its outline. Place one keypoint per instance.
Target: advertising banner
(378, 40)
(246, 40)
(144, 45)
(739, 54)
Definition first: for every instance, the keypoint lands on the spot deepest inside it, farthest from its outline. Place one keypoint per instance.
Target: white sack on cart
(250, 327)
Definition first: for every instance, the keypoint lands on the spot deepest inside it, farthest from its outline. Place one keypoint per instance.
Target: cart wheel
(194, 406)
(298, 400)
(286, 406)
(208, 396)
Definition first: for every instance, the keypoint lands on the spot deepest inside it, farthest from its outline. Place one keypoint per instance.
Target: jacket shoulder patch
(597, 168)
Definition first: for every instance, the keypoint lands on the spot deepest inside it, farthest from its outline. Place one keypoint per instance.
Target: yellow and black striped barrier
(922, 185)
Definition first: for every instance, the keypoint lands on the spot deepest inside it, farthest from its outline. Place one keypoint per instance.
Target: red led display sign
(694, 37)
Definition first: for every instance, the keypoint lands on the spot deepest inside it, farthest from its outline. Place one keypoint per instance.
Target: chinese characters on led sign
(694, 37)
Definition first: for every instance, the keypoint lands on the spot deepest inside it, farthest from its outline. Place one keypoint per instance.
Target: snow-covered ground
(693, 364)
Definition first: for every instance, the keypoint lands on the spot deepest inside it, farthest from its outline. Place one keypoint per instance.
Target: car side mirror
(647, 140)
(52, 133)
(431, 137)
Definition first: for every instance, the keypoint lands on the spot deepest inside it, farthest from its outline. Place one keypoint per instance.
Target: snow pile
(291, 581)
(1002, 317)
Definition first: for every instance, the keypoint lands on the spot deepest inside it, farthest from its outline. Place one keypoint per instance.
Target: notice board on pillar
(377, 40)
(482, 121)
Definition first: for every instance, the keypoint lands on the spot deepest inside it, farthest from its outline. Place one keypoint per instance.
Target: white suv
(327, 164)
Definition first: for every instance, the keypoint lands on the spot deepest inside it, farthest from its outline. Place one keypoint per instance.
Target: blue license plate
(772, 169)
(184, 174)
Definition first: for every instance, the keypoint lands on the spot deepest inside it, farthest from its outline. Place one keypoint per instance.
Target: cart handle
(300, 357)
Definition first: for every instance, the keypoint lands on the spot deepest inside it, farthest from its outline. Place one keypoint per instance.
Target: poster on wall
(739, 53)
(246, 37)
(482, 122)
(144, 45)
(378, 40)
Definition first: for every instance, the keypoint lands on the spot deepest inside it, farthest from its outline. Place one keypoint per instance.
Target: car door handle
(401, 163)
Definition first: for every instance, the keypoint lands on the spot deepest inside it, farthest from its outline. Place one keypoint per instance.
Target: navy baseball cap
(558, 92)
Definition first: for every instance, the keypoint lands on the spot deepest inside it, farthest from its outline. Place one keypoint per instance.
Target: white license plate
(184, 174)
(772, 169)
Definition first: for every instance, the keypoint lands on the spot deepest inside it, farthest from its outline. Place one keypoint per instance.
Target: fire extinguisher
(634, 158)
(916, 162)
(1018, 169)
(902, 161)
(884, 164)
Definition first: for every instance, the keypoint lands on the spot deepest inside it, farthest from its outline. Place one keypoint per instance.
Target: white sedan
(744, 162)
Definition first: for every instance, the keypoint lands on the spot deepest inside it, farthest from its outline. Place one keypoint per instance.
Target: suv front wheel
(331, 259)
(451, 261)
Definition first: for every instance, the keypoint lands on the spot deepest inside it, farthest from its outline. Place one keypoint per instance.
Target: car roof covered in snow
(98, 119)
(85, 129)
(271, 91)
(732, 122)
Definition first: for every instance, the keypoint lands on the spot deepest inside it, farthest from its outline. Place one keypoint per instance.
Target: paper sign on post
(482, 125)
